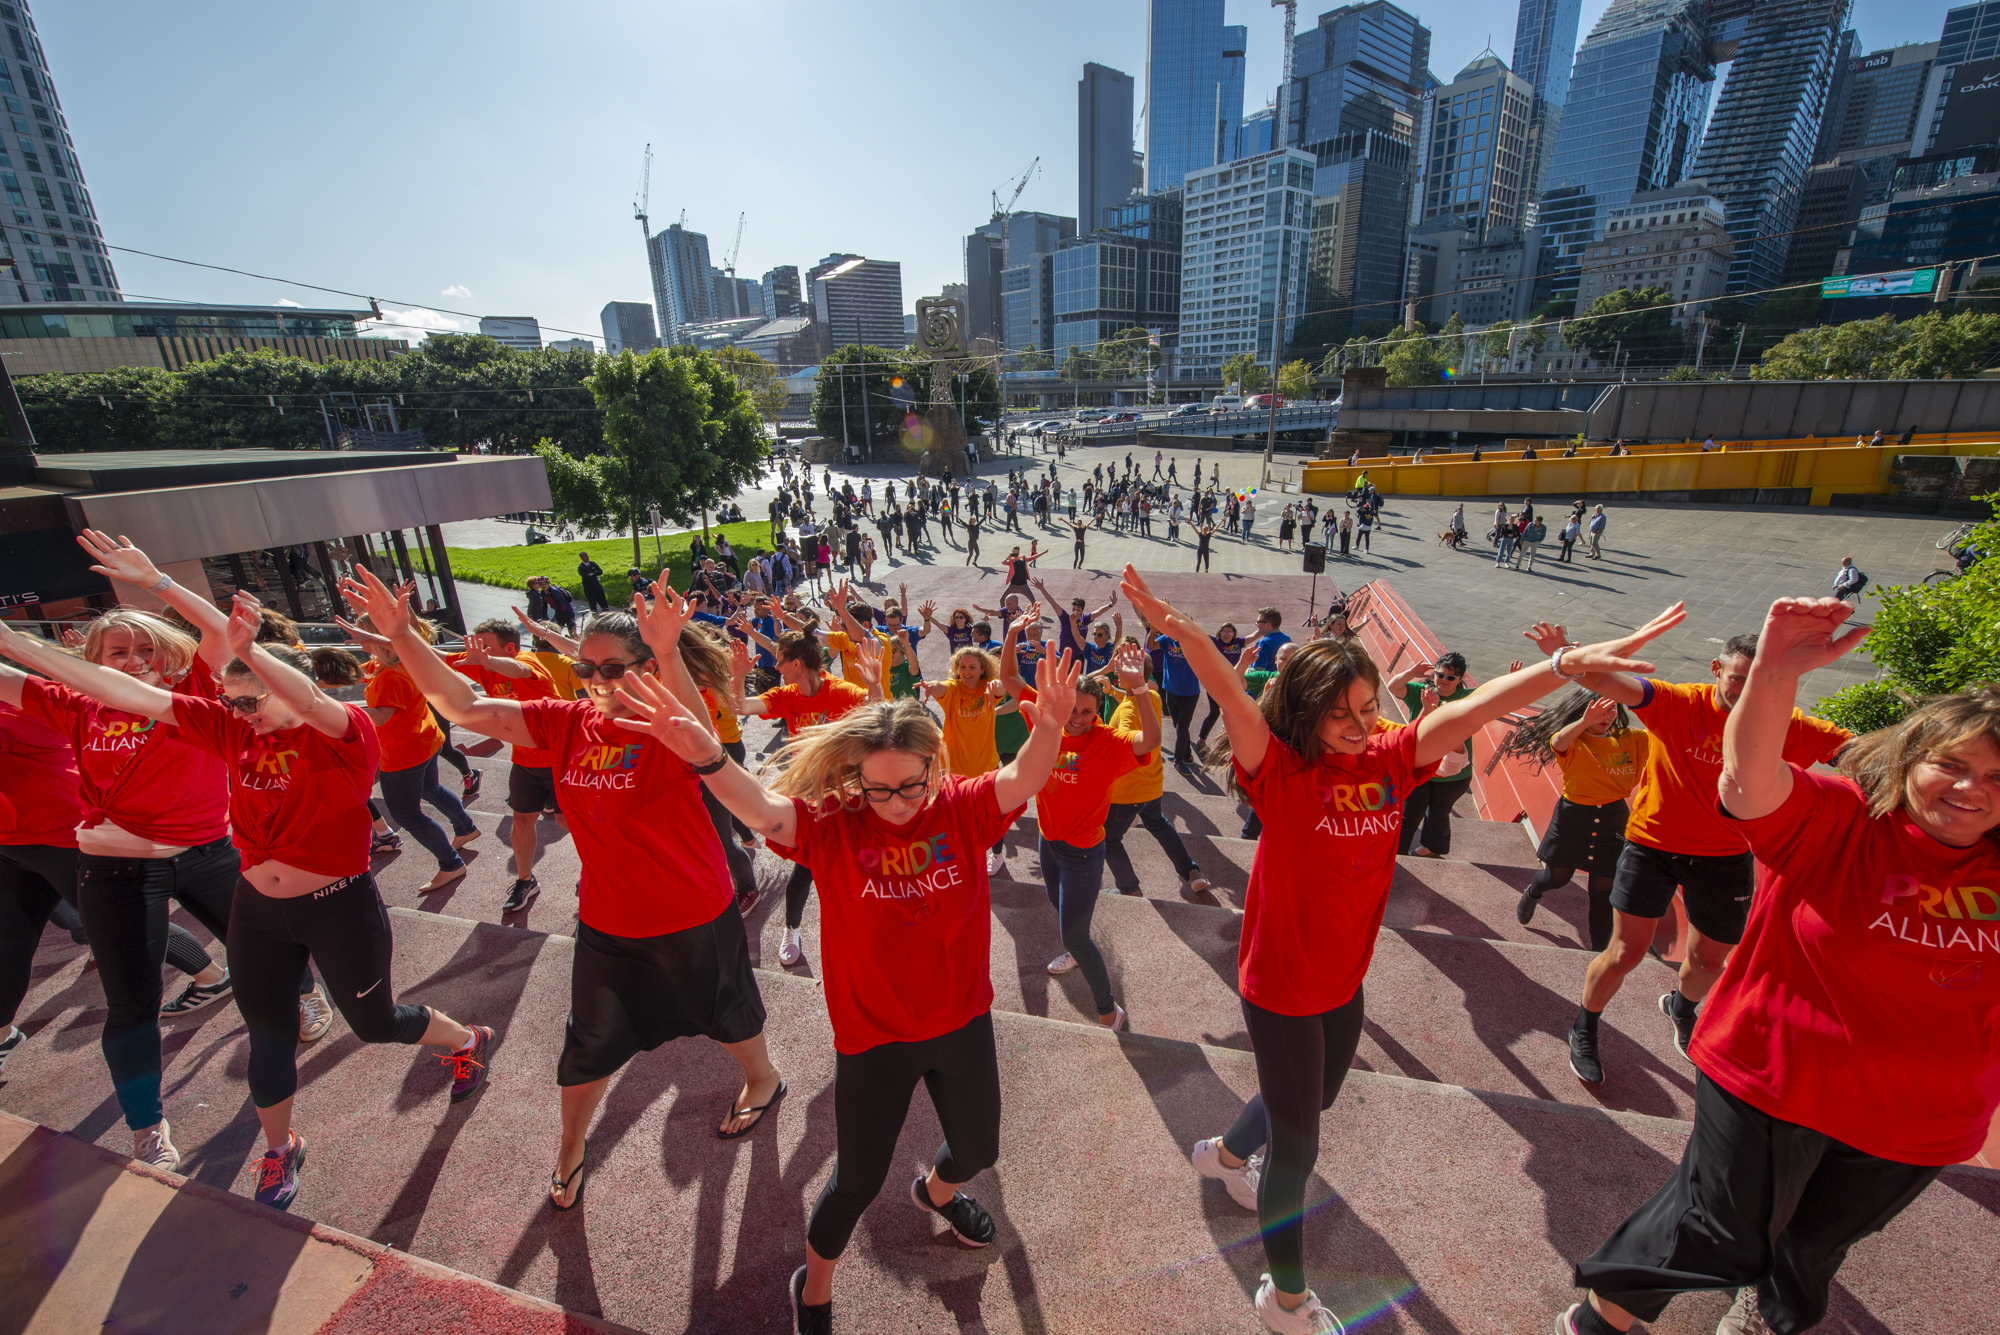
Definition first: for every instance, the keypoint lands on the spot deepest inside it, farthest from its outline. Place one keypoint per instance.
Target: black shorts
(1716, 891)
(628, 994)
(532, 788)
(1585, 838)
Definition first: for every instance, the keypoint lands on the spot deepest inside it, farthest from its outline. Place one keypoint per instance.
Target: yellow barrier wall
(1761, 465)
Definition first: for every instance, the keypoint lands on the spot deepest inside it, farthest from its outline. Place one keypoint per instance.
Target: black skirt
(629, 995)
(1586, 838)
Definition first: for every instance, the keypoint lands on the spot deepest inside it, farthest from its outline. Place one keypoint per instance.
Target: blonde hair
(824, 764)
(173, 648)
(989, 666)
(706, 655)
(1880, 762)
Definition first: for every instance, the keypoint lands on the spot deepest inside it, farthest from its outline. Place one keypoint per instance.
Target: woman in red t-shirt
(39, 811)
(1329, 787)
(660, 948)
(299, 767)
(1846, 1055)
(411, 740)
(905, 919)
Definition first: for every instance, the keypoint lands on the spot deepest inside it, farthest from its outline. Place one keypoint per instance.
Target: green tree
(757, 377)
(1937, 347)
(1413, 357)
(578, 493)
(1638, 326)
(1497, 343)
(107, 410)
(682, 435)
(1244, 371)
(1295, 380)
(1928, 640)
(861, 382)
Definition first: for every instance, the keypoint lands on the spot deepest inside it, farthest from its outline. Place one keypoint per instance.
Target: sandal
(562, 1184)
(735, 1112)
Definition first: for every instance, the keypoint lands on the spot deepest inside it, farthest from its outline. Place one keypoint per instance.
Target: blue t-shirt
(768, 628)
(1178, 676)
(1267, 650)
(1096, 656)
(1028, 657)
(710, 619)
(1066, 640)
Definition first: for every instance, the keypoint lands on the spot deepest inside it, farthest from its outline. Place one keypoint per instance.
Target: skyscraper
(521, 332)
(1759, 143)
(1103, 143)
(1475, 148)
(859, 300)
(1544, 43)
(1638, 94)
(52, 231)
(782, 297)
(1025, 235)
(628, 324)
(1971, 32)
(683, 293)
(1245, 229)
(1194, 89)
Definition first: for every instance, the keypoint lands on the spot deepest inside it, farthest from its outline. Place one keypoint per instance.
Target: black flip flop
(562, 1184)
(760, 1110)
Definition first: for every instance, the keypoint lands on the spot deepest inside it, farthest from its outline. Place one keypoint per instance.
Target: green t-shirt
(1413, 700)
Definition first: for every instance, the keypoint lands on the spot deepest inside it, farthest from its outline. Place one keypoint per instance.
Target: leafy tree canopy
(1636, 325)
(1933, 346)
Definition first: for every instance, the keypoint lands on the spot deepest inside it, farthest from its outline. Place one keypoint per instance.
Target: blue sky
(484, 157)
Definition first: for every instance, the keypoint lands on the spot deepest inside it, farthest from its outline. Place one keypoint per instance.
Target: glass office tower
(1194, 89)
(1544, 42)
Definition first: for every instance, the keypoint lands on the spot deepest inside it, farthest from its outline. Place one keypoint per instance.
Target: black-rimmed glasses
(909, 792)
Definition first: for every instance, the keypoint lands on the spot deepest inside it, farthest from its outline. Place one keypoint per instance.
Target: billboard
(1903, 283)
(1972, 110)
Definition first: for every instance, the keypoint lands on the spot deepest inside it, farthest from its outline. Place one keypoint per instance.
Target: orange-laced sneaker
(278, 1173)
(468, 1072)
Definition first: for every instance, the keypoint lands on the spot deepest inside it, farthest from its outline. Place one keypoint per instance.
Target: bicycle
(1956, 536)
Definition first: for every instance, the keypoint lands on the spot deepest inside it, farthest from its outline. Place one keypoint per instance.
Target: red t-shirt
(537, 685)
(410, 736)
(1073, 803)
(1860, 1002)
(1673, 806)
(296, 796)
(1320, 882)
(799, 710)
(38, 784)
(651, 861)
(904, 917)
(137, 772)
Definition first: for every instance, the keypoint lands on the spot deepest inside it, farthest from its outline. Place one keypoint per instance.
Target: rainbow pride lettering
(1359, 797)
(1977, 902)
(908, 859)
(610, 757)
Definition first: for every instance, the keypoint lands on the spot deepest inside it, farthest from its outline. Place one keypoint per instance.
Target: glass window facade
(1194, 89)
(133, 320)
(1246, 232)
(1971, 32)
(1544, 43)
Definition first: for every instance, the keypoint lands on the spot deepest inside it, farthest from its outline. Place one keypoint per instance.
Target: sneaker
(468, 1065)
(1683, 1027)
(1566, 1320)
(1241, 1182)
(1524, 911)
(278, 1173)
(197, 995)
(1308, 1318)
(315, 1015)
(385, 843)
(995, 863)
(968, 1219)
(470, 788)
(793, 952)
(155, 1146)
(1583, 1056)
(524, 890)
(809, 1320)
(1745, 1318)
(8, 1044)
(1062, 964)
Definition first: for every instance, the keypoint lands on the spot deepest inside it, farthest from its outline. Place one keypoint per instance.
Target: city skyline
(416, 185)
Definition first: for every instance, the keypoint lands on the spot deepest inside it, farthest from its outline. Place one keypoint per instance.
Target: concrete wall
(1792, 409)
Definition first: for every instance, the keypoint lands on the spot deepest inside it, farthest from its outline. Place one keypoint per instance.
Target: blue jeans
(1506, 549)
(404, 791)
(1073, 876)
(1119, 819)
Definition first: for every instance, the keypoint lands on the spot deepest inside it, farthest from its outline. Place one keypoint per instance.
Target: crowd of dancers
(1833, 998)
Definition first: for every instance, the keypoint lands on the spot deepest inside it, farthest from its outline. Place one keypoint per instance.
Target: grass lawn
(510, 567)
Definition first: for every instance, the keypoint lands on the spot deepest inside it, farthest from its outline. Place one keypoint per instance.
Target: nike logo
(370, 988)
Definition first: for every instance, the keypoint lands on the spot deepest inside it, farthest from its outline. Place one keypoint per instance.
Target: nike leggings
(343, 929)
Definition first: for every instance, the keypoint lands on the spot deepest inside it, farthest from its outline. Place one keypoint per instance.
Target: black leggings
(738, 857)
(1208, 723)
(1180, 708)
(1301, 1062)
(871, 1097)
(342, 928)
(124, 904)
(1548, 878)
(1427, 811)
(451, 755)
(797, 887)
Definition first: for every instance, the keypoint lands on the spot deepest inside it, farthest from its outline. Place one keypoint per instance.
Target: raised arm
(562, 643)
(660, 626)
(102, 684)
(121, 561)
(1023, 776)
(686, 733)
(441, 684)
(1448, 728)
(1799, 635)
(1010, 656)
(298, 691)
(1130, 665)
(1598, 711)
(1249, 735)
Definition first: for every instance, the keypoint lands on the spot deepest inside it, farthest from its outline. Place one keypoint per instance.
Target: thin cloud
(456, 290)
(415, 324)
(284, 301)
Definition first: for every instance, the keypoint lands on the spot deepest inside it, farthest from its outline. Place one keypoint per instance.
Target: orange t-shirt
(1598, 771)
(799, 710)
(1675, 807)
(410, 736)
(726, 727)
(537, 685)
(1073, 803)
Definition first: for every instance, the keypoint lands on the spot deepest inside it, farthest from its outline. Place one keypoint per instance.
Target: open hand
(657, 712)
(1801, 634)
(386, 611)
(1055, 693)
(1600, 712)
(246, 618)
(1155, 609)
(1129, 662)
(1547, 638)
(367, 639)
(867, 654)
(660, 621)
(119, 559)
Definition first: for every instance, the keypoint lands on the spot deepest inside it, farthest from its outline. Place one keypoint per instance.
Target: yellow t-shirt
(1598, 771)
(562, 675)
(843, 644)
(1149, 780)
(968, 730)
(726, 727)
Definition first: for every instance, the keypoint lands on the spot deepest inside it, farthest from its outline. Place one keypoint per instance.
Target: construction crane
(1291, 9)
(1019, 186)
(644, 197)
(729, 265)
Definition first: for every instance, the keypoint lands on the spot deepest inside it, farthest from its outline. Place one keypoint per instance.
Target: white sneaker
(13, 1040)
(155, 1146)
(1241, 1182)
(315, 1015)
(1308, 1318)
(995, 864)
(1745, 1318)
(1062, 964)
(793, 950)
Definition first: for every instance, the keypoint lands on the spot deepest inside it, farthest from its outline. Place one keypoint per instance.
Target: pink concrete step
(1433, 1208)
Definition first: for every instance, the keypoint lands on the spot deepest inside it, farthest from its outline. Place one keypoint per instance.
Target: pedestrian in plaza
(1596, 530)
(1572, 530)
(1079, 530)
(1346, 529)
(1204, 534)
(592, 576)
(1364, 529)
(1427, 810)
(1533, 533)
(1287, 525)
(1848, 581)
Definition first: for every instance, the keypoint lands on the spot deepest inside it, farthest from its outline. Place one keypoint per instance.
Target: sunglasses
(611, 671)
(242, 704)
(909, 791)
